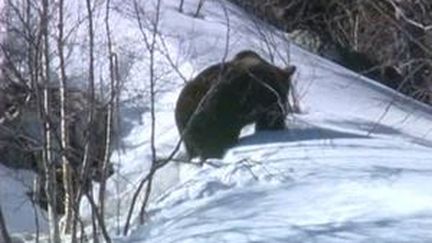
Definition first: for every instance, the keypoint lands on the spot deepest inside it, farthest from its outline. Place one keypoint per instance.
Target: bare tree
(112, 58)
(64, 179)
(50, 185)
(150, 44)
(66, 167)
(85, 165)
(91, 90)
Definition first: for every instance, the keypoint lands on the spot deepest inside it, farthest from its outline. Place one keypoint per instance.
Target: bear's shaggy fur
(213, 108)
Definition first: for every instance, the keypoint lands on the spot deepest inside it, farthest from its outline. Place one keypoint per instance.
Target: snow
(18, 211)
(354, 166)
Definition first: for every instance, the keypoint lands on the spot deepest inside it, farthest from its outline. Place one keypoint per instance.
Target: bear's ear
(290, 70)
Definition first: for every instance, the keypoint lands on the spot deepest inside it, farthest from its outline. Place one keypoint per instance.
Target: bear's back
(193, 92)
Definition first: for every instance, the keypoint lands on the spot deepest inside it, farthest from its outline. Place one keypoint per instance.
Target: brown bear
(213, 107)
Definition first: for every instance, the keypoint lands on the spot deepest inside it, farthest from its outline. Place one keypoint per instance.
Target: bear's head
(250, 60)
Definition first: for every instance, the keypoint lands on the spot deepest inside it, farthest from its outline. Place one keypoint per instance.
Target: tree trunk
(66, 167)
(200, 5)
(4, 235)
(110, 113)
(50, 175)
(181, 6)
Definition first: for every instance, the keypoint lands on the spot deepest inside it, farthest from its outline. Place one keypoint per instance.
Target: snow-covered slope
(353, 166)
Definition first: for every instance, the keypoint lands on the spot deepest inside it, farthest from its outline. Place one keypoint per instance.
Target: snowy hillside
(354, 166)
